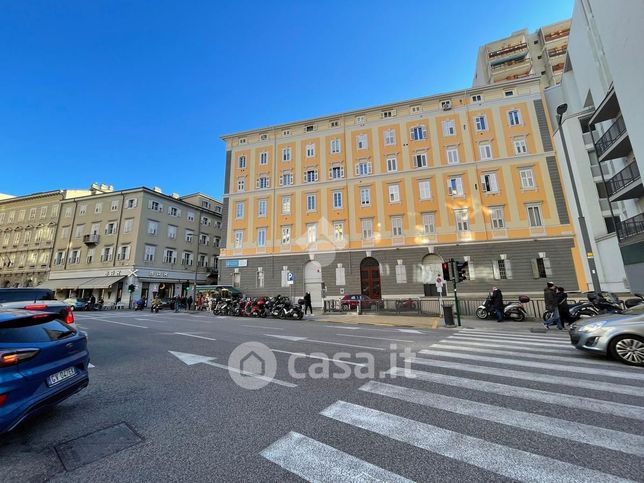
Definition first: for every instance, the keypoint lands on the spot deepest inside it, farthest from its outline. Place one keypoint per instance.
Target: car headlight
(592, 326)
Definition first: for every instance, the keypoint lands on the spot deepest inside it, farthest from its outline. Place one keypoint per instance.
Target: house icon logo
(252, 365)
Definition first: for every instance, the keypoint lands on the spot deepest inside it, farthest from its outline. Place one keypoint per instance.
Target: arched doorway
(432, 268)
(370, 278)
(313, 282)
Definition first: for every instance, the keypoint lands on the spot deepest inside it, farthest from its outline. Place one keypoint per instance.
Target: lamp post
(590, 257)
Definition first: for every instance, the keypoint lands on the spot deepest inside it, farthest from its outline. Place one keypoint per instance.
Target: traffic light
(446, 271)
(131, 288)
(461, 271)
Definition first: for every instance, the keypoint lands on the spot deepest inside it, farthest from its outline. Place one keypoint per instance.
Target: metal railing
(622, 179)
(508, 50)
(630, 227)
(609, 138)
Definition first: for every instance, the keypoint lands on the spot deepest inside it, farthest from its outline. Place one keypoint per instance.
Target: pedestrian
(92, 302)
(564, 312)
(307, 303)
(550, 299)
(176, 304)
(189, 302)
(497, 303)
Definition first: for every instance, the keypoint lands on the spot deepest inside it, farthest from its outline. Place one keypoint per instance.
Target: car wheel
(344, 308)
(628, 349)
(481, 313)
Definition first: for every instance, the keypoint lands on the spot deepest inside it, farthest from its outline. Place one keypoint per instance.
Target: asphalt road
(466, 405)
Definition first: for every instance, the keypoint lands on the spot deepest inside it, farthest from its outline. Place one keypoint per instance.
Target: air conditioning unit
(446, 105)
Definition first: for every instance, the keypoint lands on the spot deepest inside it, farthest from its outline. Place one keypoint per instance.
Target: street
(344, 402)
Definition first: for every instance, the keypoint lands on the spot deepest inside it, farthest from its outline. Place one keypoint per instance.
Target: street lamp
(561, 110)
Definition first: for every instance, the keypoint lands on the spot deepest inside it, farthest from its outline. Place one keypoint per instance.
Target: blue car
(43, 361)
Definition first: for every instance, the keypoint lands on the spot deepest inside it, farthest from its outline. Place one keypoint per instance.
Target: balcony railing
(625, 177)
(611, 136)
(91, 239)
(631, 227)
(556, 35)
(510, 64)
(556, 52)
(508, 50)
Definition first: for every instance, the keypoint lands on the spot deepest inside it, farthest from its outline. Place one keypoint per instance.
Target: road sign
(290, 278)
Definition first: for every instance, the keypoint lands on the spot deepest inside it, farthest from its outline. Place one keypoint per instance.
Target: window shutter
(281, 182)
(547, 266)
(495, 270)
(369, 168)
(535, 268)
(493, 184)
(508, 269)
(316, 175)
(459, 185)
(149, 204)
(342, 172)
(449, 187)
(178, 212)
(483, 184)
(471, 272)
(357, 169)
(424, 132)
(331, 173)
(160, 207)
(411, 134)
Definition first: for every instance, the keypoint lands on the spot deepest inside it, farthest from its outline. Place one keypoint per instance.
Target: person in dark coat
(307, 303)
(497, 303)
(189, 302)
(564, 312)
(550, 299)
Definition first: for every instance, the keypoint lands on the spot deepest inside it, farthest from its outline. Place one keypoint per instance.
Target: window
(311, 202)
(396, 226)
(365, 196)
(27, 236)
(286, 154)
(452, 155)
(187, 258)
(418, 133)
(172, 232)
(242, 140)
(1, 218)
(311, 232)
(127, 225)
(123, 253)
(485, 151)
(508, 93)
(260, 278)
(476, 98)
(534, 215)
(502, 269)
(286, 205)
(21, 215)
(363, 168)
(335, 146)
(32, 214)
(367, 228)
(392, 164)
(401, 273)
(520, 146)
(360, 119)
(310, 175)
(455, 186)
(263, 182)
(334, 123)
(488, 183)
(96, 228)
(74, 256)
(390, 137)
(78, 233)
(481, 123)
(68, 213)
(130, 203)
(462, 220)
(64, 233)
(190, 216)
(514, 117)
(43, 211)
(217, 243)
(497, 218)
(239, 209)
(429, 223)
(239, 239)
(449, 128)
(261, 208)
(337, 199)
(174, 211)
(362, 141)
(98, 208)
(242, 162)
(54, 211)
(286, 235)
(263, 157)
(310, 150)
(286, 132)
(541, 268)
(114, 206)
(205, 221)
(16, 238)
(424, 190)
(155, 205)
(90, 255)
(388, 114)
(169, 256)
(336, 172)
(420, 160)
(189, 236)
(153, 228)
(106, 255)
(415, 109)
(261, 237)
(394, 193)
(338, 231)
(309, 128)
(286, 179)
(527, 178)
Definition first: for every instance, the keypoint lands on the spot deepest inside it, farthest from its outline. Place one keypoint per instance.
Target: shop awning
(101, 282)
(63, 283)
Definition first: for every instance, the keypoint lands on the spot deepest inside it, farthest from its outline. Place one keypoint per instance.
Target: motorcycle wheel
(263, 314)
(546, 315)
(300, 315)
(481, 313)
(517, 316)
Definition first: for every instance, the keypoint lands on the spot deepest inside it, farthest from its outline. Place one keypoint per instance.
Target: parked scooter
(514, 311)
(139, 305)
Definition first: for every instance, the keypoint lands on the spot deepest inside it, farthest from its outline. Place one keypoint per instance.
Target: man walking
(307, 303)
(550, 299)
(497, 303)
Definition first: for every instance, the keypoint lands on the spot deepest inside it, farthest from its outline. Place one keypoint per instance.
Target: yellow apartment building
(373, 201)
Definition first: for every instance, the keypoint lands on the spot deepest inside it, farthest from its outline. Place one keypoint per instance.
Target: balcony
(556, 35)
(510, 49)
(625, 185)
(631, 227)
(614, 143)
(91, 239)
(608, 108)
(557, 52)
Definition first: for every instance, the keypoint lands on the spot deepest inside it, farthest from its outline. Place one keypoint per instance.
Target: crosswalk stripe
(514, 335)
(582, 433)
(508, 338)
(503, 460)
(532, 376)
(538, 365)
(464, 342)
(575, 402)
(314, 461)
(569, 359)
(513, 342)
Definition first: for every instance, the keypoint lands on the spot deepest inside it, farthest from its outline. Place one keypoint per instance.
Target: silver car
(620, 336)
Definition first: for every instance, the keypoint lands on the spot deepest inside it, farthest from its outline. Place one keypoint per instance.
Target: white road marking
(513, 342)
(119, 323)
(579, 403)
(346, 345)
(90, 366)
(343, 327)
(582, 433)
(409, 331)
(191, 359)
(311, 356)
(262, 327)
(533, 376)
(314, 461)
(551, 336)
(286, 337)
(503, 460)
(509, 338)
(376, 338)
(541, 365)
(194, 335)
(562, 350)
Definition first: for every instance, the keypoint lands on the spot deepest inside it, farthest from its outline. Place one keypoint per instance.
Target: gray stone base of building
(341, 273)
(8, 280)
(633, 256)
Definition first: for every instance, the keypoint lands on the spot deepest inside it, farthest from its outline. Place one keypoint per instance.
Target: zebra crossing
(486, 401)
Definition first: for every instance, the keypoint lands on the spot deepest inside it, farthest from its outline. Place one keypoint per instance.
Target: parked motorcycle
(514, 311)
(580, 310)
(598, 303)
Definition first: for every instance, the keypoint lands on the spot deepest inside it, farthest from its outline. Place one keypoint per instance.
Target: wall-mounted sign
(236, 263)
(158, 274)
(113, 273)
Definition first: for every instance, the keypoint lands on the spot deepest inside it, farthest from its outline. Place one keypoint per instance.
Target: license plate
(61, 376)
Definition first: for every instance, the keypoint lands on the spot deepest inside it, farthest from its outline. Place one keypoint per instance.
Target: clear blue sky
(135, 93)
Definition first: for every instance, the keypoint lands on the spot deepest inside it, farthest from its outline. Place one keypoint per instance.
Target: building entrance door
(370, 278)
(432, 268)
(313, 282)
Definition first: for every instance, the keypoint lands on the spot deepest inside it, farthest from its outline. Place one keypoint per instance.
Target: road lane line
(539, 365)
(579, 403)
(262, 327)
(311, 356)
(119, 323)
(503, 460)
(560, 428)
(343, 327)
(376, 338)
(346, 345)
(314, 461)
(193, 335)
